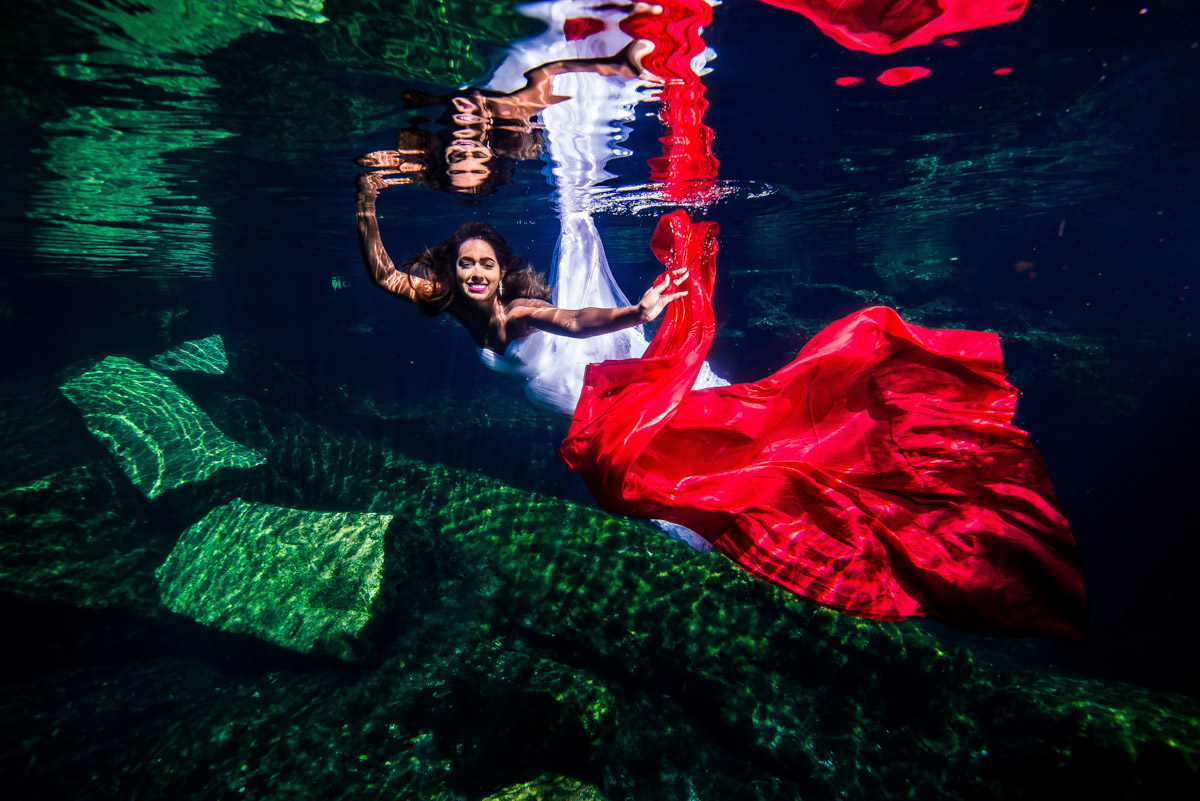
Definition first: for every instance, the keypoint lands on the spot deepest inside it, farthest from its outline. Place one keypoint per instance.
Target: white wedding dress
(582, 133)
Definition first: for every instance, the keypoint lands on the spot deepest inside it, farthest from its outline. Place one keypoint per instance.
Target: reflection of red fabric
(581, 27)
(687, 169)
(675, 34)
(898, 76)
(885, 26)
(879, 473)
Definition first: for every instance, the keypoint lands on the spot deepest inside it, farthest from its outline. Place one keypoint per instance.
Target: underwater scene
(804, 409)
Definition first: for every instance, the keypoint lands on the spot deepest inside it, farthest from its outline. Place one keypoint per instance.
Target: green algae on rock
(203, 355)
(197, 28)
(160, 437)
(534, 637)
(78, 536)
(305, 580)
(548, 788)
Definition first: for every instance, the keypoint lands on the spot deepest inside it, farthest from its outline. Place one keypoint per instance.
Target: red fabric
(885, 26)
(581, 27)
(879, 473)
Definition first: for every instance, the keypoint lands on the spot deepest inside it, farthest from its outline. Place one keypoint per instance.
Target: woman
(879, 473)
(475, 277)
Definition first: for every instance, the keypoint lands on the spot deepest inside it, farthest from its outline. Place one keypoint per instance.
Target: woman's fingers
(673, 277)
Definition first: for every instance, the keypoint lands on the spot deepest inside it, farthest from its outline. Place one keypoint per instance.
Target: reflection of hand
(370, 183)
(657, 297)
(634, 53)
(390, 159)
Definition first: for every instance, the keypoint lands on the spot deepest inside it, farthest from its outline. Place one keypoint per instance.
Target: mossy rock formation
(301, 579)
(519, 636)
(160, 436)
(204, 355)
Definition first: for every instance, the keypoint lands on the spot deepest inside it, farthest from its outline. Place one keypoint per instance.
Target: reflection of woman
(483, 130)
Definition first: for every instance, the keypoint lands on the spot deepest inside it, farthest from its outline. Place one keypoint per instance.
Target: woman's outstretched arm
(591, 322)
(380, 269)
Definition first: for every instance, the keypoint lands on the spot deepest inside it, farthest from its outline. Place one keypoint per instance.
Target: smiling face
(477, 270)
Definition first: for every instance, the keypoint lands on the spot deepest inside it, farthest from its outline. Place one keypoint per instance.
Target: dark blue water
(170, 176)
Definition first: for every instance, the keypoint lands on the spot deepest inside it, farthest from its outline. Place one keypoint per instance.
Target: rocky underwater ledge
(208, 595)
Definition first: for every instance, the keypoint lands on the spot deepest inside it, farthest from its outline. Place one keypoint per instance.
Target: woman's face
(477, 270)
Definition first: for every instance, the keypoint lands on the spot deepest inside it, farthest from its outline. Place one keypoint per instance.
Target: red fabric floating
(879, 473)
(898, 76)
(885, 26)
(848, 80)
(581, 27)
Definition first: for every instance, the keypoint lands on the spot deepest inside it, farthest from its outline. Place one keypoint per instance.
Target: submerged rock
(532, 638)
(304, 580)
(548, 788)
(77, 537)
(204, 355)
(160, 437)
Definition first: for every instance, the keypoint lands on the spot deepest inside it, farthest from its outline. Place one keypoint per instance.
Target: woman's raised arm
(380, 268)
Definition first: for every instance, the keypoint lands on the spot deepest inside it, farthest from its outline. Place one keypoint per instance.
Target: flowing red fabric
(885, 26)
(879, 473)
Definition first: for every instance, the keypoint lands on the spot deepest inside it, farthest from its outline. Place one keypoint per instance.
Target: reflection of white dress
(582, 133)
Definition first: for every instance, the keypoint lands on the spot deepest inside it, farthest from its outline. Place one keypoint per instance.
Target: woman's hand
(657, 297)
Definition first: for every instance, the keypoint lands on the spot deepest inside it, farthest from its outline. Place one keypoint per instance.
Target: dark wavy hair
(437, 266)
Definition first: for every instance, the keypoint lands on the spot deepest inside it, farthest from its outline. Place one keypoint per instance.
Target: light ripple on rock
(301, 579)
(203, 355)
(161, 438)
